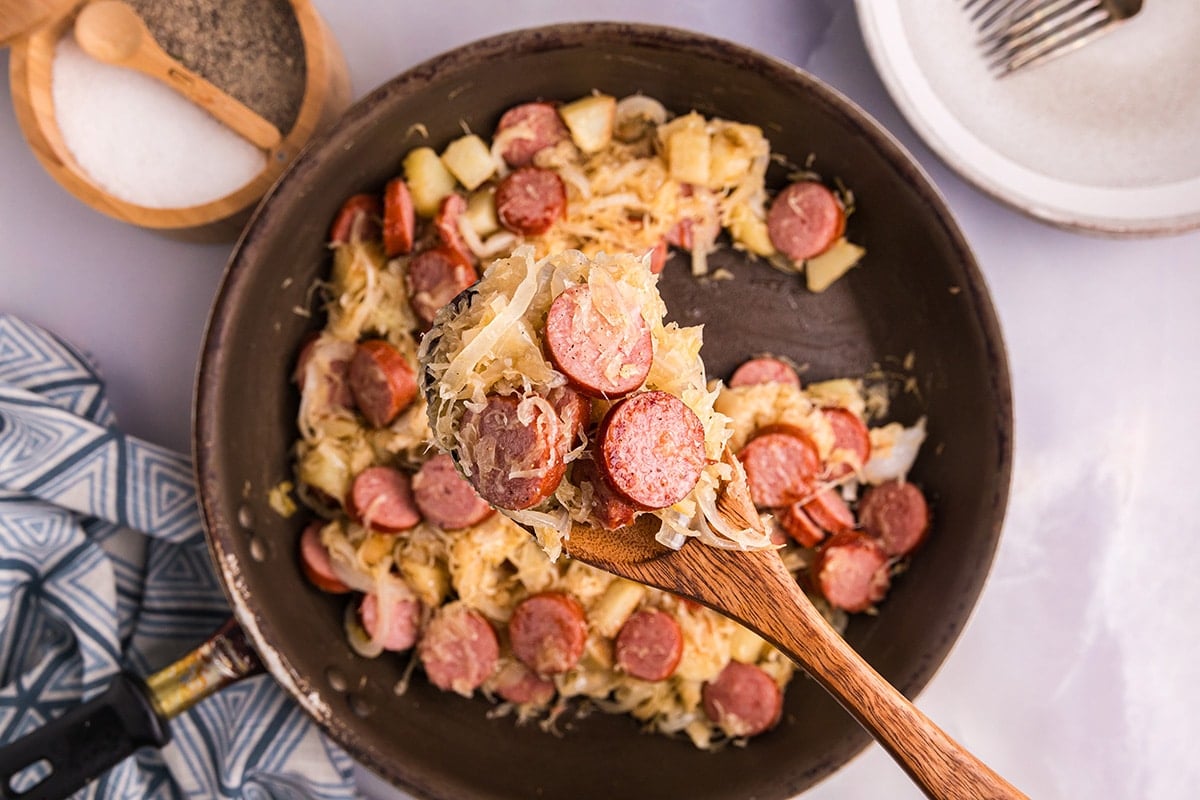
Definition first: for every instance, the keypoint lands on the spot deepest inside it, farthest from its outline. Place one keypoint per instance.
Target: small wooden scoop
(756, 589)
(111, 31)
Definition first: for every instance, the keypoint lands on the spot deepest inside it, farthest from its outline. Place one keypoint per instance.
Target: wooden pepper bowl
(326, 96)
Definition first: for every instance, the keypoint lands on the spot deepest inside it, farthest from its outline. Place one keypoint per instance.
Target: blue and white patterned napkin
(103, 566)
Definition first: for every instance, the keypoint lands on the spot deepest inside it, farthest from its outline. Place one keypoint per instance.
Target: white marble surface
(1075, 677)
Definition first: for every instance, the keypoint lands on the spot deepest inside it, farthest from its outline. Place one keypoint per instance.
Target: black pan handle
(75, 748)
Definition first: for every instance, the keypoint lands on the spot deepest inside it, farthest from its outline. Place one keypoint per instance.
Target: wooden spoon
(756, 589)
(111, 31)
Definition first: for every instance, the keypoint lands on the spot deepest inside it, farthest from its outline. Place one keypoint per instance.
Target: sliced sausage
(851, 571)
(536, 448)
(764, 370)
(601, 357)
(829, 510)
(458, 649)
(530, 200)
(357, 220)
(743, 700)
(446, 498)
(609, 509)
(781, 465)
(804, 220)
(314, 560)
(445, 222)
(381, 499)
(517, 683)
(534, 126)
(692, 230)
(403, 620)
(337, 371)
(849, 435)
(658, 257)
(435, 277)
(575, 412)
(799, 525)
(382, 381)
(649, 645)
(548, 632)
(399, 219)
(897, 514)
(651, 449)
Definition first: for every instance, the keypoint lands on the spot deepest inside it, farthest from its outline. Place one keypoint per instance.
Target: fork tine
(1043, 18)
(996, 24)
(1062, 41)
(991, 7)
(1022, 36)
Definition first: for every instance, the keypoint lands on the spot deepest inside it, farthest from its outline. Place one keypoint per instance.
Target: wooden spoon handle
(228, 110)
(936, 762)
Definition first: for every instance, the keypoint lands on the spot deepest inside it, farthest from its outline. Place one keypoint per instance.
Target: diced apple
(590, 121)
(469, 159)
(749, 231)
(821, 271)
(481, 212)
(428, 180)
(689, 155)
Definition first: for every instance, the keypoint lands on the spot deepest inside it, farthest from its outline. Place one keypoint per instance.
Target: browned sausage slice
(435, 277)
(458, 649)
(515, 446)
(849, 435)
(781, 466)
(601, 357)
(608, 509)
(337, 374)
(314, 560)
(799, 525)
(530, 200)
(575, 412)
(649, 645)
(897, 514)
(764, 370)
(446, 498)
(804, 220)
(357, 220)
(658, 257)
(539, 127)
(445, 222)
(517, 683)
(381, 499)
(651, 449)
(403, 621)
(851, 571)
(743, 700)
(548, 632)
(399, 219)
(829, 510)
(382, 381)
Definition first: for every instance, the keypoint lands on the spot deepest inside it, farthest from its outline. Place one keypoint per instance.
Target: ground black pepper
(252, 49)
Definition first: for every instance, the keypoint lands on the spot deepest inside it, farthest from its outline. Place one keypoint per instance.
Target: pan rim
(220, 530)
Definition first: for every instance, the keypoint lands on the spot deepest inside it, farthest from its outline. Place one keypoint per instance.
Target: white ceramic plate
(1105, 139)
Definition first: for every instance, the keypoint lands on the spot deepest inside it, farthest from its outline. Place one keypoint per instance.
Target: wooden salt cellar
(326, 96)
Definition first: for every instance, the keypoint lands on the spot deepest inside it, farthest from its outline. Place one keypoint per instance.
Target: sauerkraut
(637, 178)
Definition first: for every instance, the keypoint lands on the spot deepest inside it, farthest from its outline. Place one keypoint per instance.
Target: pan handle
(78, 746)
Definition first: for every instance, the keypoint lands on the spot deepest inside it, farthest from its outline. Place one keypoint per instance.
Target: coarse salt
(142, 142)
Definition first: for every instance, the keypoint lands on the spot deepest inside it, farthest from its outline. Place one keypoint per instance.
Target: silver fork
(1021, 33)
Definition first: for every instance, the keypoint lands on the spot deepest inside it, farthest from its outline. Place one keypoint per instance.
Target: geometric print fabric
(104, 567)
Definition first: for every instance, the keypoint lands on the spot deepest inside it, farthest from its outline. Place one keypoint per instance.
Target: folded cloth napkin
(103, 566)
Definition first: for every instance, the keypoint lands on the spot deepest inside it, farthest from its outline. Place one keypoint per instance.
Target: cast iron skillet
(918, 291)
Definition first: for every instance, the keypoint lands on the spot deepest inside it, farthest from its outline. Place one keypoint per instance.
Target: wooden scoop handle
(112, 31)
